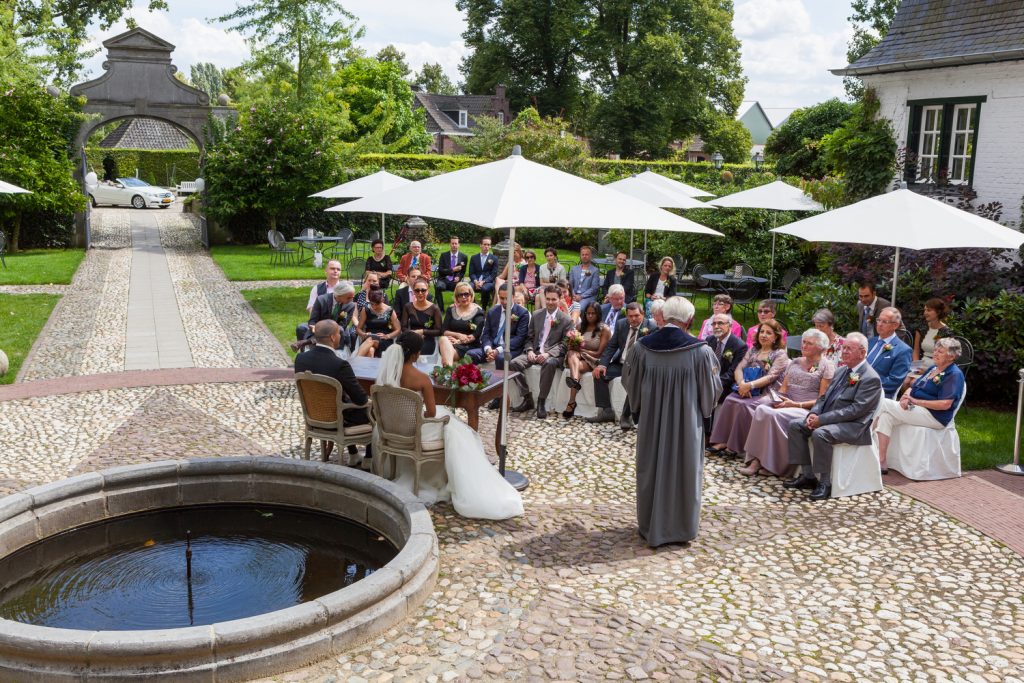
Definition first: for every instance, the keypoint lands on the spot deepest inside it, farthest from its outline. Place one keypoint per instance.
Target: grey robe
(672, 382)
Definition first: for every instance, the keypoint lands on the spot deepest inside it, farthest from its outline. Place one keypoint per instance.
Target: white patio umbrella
(367, 186)
(518, 193)
(907, 220)
(659, 180)
(643, 186)
(776, 196)
(8, 188)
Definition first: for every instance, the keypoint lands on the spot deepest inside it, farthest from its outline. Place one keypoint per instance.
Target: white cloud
(766, 18)
(417, 54)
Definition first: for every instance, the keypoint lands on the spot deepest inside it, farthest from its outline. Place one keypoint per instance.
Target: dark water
(131, 573)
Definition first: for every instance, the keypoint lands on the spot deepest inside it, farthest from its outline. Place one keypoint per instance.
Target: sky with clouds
(787, 45)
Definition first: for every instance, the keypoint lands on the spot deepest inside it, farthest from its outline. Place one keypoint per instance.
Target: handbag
(750, 374)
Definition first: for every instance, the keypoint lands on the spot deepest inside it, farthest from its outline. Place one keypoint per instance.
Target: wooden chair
(323, 403)
(397, 415)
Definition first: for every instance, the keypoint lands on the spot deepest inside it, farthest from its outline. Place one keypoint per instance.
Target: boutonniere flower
(813, 369)
(767, 363)
(727, 355)
(429, 323)
(644, 330)
(343, 315)
(937, 379)
(871, 320)
(887, 347)
(515, 318)
(854, 378)
(472, 327)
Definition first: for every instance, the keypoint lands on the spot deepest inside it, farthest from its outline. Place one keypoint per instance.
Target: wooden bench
(186, 187)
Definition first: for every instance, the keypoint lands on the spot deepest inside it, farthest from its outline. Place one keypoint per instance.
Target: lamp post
(758, 160)
(717, 160)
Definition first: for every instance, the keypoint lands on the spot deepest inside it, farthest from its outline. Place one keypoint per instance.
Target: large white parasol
(367, 186)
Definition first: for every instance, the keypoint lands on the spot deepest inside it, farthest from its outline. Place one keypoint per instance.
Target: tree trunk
(15, 232)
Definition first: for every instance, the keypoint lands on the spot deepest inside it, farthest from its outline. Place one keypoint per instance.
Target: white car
(130, 192)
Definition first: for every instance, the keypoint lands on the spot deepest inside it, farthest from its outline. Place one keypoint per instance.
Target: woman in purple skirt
(732, 419)
(806, 379)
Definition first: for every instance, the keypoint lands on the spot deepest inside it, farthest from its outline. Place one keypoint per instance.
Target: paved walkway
(155, 334)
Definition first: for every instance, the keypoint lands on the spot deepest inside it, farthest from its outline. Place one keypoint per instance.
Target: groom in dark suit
(451, 268)
(841, 415)
(483, 268)
(492, 341)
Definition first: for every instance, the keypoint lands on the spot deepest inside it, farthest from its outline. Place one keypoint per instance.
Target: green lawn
(23, 318)
(252, 262)
(281, 308)
(41, 267)
(986, 437)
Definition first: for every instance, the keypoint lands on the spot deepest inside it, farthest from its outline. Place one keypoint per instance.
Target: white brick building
(949, 75)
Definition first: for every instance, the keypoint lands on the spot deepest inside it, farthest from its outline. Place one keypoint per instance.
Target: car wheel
(138, 202)
(93, 201)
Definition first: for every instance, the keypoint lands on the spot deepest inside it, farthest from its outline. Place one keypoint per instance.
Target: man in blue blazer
(483, 268)
(584, 279)
(492, 340)
(451, 268)
(889, 356)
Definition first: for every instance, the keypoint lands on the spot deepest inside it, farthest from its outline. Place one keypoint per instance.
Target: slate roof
(935, 33)
(443, 111)
(147, 134)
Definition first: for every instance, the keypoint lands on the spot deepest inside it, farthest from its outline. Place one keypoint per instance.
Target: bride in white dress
(473, 485)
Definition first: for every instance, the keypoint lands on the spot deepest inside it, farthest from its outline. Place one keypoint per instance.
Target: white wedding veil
(390, 372)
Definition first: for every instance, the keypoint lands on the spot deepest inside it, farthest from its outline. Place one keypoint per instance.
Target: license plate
(166, 200)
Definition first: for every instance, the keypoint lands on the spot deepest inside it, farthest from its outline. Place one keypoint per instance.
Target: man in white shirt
(332, 273)
(544, 347)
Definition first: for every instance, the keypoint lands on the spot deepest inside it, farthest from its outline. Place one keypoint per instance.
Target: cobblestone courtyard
(877, 587)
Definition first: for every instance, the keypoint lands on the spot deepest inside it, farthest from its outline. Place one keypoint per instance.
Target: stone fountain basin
(236, 650)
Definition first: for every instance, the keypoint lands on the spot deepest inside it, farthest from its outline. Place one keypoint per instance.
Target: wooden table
(366, 373)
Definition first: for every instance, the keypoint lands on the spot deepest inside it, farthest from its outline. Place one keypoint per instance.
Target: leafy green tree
(546, 140)
(57, 30)
(271, 162)
(871, 20)
(728, 137)
(432, 78)
(35, 151)
(862, 152)
(390, 53)
(795, 146)
(208, 78)
(377, 100)
(295, 42)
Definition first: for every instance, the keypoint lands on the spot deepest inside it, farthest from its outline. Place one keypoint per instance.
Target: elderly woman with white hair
(937, 392)
(806, 379)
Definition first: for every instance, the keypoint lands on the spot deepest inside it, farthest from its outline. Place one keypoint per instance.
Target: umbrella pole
(895, 275)
(771, 271)
(517, 480)
(631, 245)
(382, 239)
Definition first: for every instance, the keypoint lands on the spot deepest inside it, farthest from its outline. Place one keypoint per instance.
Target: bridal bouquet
(461, 376)
(574, 340)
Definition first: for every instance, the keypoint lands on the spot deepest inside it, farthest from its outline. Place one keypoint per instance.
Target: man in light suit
(545, 346)
(869, 305)
(584, 279)
(841, 415)
(613, 311)
(492, 340)
(628, 331)
(451, 268)
(483, 268)
(888, 355)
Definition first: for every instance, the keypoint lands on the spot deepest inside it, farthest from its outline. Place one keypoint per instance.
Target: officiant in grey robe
(672, 382)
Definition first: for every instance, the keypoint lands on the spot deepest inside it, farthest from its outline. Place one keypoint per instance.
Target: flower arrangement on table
(462, 375)
(574, 340)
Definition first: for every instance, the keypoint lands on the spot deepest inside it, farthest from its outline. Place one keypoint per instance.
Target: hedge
(164, 167)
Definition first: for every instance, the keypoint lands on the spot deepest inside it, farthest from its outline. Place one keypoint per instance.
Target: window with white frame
(501, 117)
(942, 135)
(463, 118)
(961, 149)
(928, 147)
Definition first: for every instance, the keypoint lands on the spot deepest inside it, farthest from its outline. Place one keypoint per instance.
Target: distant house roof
(443, 110)
(761, 120)
(927, 34)
(140, 133)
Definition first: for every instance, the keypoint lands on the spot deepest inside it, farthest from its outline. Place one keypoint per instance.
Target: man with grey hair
(332, 275)
(887, 353)
(338, 306)
(842, 415)
(612, 311)
(729, 350)
(672, 381)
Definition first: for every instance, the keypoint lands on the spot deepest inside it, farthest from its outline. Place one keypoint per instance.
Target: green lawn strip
(281, 308)
(23, 317)
(986, 437)
(41, 267)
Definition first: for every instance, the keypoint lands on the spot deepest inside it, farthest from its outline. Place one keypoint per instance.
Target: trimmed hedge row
(164, 167)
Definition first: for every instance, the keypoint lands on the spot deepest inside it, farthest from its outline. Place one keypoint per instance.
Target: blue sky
(788, 45)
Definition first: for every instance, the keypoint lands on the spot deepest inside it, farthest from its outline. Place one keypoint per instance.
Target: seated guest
(806, 380)
(765, 311)
(545, 346)
(370, 281)
(626, 333)
(551, 271)
(403, 295)
(322, 360)
(656, 315)
(519, 298)
(938, 392)
(661, 284)
(584, 279)
(332, 274)
(622, 276)
(842, 415)
(615, 309)
(377, 325)
(337, 306)
(721, 303)
(935, 312)
(729, 350)
(889, 356)
(565, 302)
(450, 270)
(492, 341)
(594, 339)
(422, 316)
(869, 306)
(517, 262)
(380, 263)
(824, 322)
(768, 362)
(483, 269)
(414, 259)
(463, 324)
(529, 276)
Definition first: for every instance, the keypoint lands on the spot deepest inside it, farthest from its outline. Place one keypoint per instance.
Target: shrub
(995, 327)
(811, 293)
(165, 167)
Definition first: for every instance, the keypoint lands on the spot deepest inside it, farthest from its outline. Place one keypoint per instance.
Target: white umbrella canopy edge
(667, 183)
(366, 186)
(10, 188)
(905, 220)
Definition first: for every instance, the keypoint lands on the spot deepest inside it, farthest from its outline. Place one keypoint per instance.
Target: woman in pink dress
(806, 379)
(732, 419)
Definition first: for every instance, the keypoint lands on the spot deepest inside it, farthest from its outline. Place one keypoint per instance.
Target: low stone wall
(235, 650)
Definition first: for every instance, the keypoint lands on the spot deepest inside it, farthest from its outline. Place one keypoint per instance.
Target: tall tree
(295, 41)
(871, 20)
(390, 53)
(209, 79)
(795, 146)
(432, 78)
(56, 30)
(542, 139)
